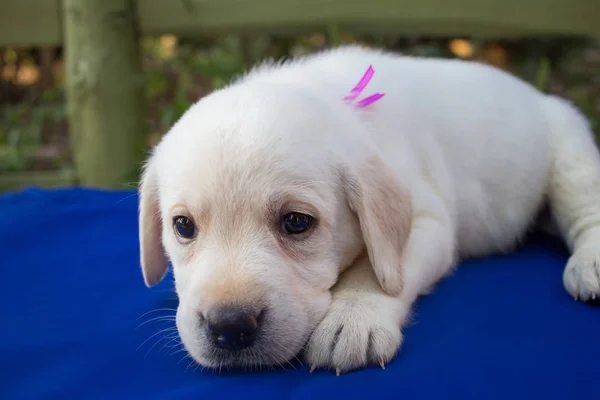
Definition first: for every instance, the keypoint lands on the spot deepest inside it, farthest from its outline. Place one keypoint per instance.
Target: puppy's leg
(574, 194)
(363, 325)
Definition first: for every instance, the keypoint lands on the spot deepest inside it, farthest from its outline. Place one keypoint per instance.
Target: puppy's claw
(381, 363)
(312, 369)
(338, 372)
(593, 296)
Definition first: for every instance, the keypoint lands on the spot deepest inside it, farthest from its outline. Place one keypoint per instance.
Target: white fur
(455, 161)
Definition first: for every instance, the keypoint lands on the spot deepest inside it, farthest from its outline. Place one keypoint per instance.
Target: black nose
(232, 328)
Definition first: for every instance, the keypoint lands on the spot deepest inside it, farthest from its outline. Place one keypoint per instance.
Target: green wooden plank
(105, 91)
(30, 22)
(37, 22)
(19, 180)
(578, 17)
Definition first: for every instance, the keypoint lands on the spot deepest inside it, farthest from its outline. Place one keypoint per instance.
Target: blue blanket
(78, 322)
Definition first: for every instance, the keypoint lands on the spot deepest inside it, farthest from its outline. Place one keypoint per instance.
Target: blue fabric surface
(74, 309)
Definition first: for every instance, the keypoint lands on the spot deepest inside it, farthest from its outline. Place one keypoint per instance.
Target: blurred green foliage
(21, 128)
(179, 71)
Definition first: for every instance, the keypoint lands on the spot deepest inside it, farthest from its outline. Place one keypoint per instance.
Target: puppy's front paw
(355, 333)
(582, 275)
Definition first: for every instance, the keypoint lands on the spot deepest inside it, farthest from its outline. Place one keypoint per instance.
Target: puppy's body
(480, 138)
(455, 161)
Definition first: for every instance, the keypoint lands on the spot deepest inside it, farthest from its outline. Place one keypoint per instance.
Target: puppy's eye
(295, 223)
(184, 227)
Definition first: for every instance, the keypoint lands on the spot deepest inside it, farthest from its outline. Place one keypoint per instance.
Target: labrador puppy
(300, 214)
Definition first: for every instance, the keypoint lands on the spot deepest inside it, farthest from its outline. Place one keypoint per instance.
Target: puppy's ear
(384, 211)
(153, 258)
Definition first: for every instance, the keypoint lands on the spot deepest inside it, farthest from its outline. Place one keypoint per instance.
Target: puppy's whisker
(175, 338)
(282, 349)
(174, 310)
(161, 318)
(189, 365)
(186, 355)
(177, 351)
(196, 367)
(295, 358)
(166, 337)
(155, 334)
(131, 186)
(154, 345)
(193, 363)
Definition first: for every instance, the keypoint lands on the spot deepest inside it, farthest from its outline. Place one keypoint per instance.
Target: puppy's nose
(232, 328)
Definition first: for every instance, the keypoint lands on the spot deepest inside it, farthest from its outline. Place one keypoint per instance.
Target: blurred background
(88, 86)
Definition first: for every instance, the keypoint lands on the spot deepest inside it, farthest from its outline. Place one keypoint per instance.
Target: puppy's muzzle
(232, 328)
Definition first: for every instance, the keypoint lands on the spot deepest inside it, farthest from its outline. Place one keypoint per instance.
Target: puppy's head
(260, 197)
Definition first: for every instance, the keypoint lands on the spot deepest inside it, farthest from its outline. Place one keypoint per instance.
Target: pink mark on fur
(360, 86)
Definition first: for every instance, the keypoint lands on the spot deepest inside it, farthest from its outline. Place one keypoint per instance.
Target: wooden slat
(37, 22)
(105, 91)
(19, 180)
(579, 17)
(30, 22)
